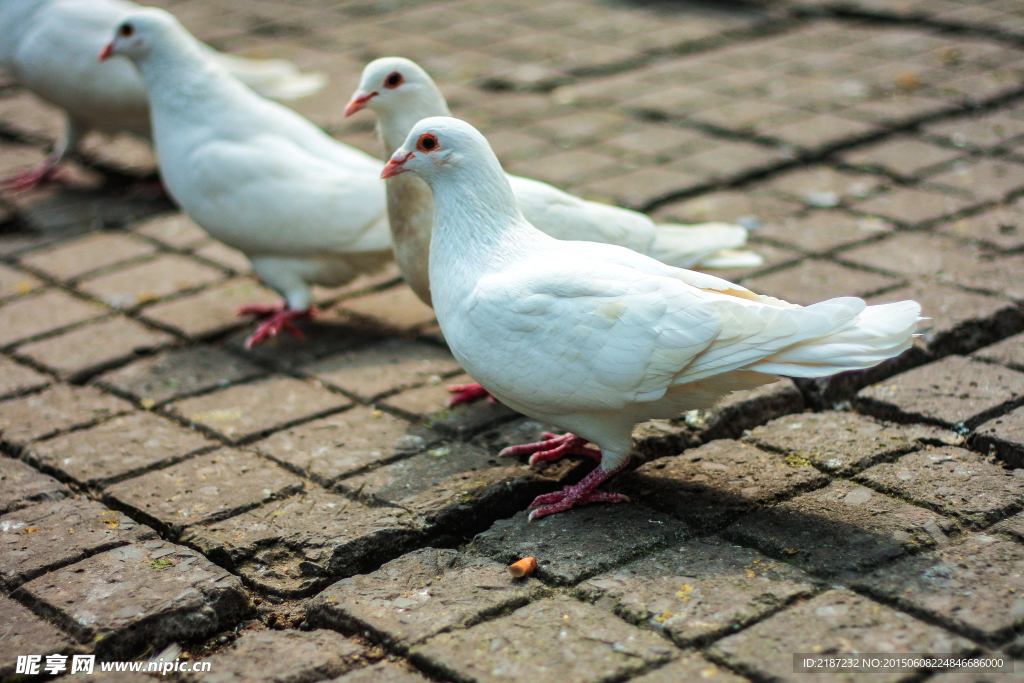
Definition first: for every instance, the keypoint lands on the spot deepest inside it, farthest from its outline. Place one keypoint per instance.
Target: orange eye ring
(393, 80)
(427, 143)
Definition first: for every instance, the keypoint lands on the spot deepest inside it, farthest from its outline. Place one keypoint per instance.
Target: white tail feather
(708, 244)
(731, 258)
(277, 79)
(862, 340)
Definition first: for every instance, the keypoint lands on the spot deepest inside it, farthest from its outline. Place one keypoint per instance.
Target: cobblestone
(203, 489)
(839, 443)
(1003, 437)
(698, 591)
(246, 410)
(970, 587)
(823, 231)
(427, 404)
(980, 676)
(18, 379)
(348, 443)
(1001, 227)
(48, 536)
(395, 365)
(690, 668)
(710, 486)
(293, 546)
(841, 529)
(419, 595)
(396, 308)
(148, 281)
(382, 672)
(86, 350)
(453, 486)
(953, 481)
(175, 230)
(912, 206)
(950, 392)
(930, 257)
(530, 642)
(903, 157)
(178, 373)
(1009, 352)
(53, 410)
(283, 657)
(982, 132)
(78, 257)
(211, 311)
(21, 485)
(136, 597)
(40, 312)
(115, 450)
(836, 622)
(580, 543)
(14, 282)
(25, 634)
(816, 280)
(822, 186)
(986, 179)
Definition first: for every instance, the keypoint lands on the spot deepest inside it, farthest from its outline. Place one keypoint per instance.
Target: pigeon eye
(394, 80)
(427, 143)
(126, 30)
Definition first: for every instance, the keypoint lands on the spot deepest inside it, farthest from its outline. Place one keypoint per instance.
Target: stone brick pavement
(308, 511)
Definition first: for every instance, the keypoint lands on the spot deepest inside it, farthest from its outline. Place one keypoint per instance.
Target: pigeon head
(138, 32)
(440, 144)
(389, 83)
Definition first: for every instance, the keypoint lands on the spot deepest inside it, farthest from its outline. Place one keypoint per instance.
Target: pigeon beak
(107, 52)
(359, 100)
(396, 165)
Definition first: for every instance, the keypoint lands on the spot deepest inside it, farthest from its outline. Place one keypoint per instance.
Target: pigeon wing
(611, 335)
(318, 206)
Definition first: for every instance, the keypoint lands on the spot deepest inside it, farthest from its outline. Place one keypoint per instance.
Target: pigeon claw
(26, 180)
(468, 393)
(572, 496)
(278, 319)
(554, 447)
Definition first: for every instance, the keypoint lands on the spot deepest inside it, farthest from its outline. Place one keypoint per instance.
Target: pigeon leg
(554, 447)
(580, 494)
(278, 318)
(26, 180)
(468, 393)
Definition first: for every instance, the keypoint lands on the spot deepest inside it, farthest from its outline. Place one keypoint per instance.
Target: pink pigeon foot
(554, 447)
(468, 393)
(278, 318)
(580, 494)
(26, 180)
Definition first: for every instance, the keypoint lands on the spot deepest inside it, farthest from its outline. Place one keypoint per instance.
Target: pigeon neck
(477, 224)
(394, 125)
(474, 206)
(178, 75)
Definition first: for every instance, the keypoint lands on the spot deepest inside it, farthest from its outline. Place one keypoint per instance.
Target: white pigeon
(402, 93)
(595, 338)
(50, 47)
(303, 207)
